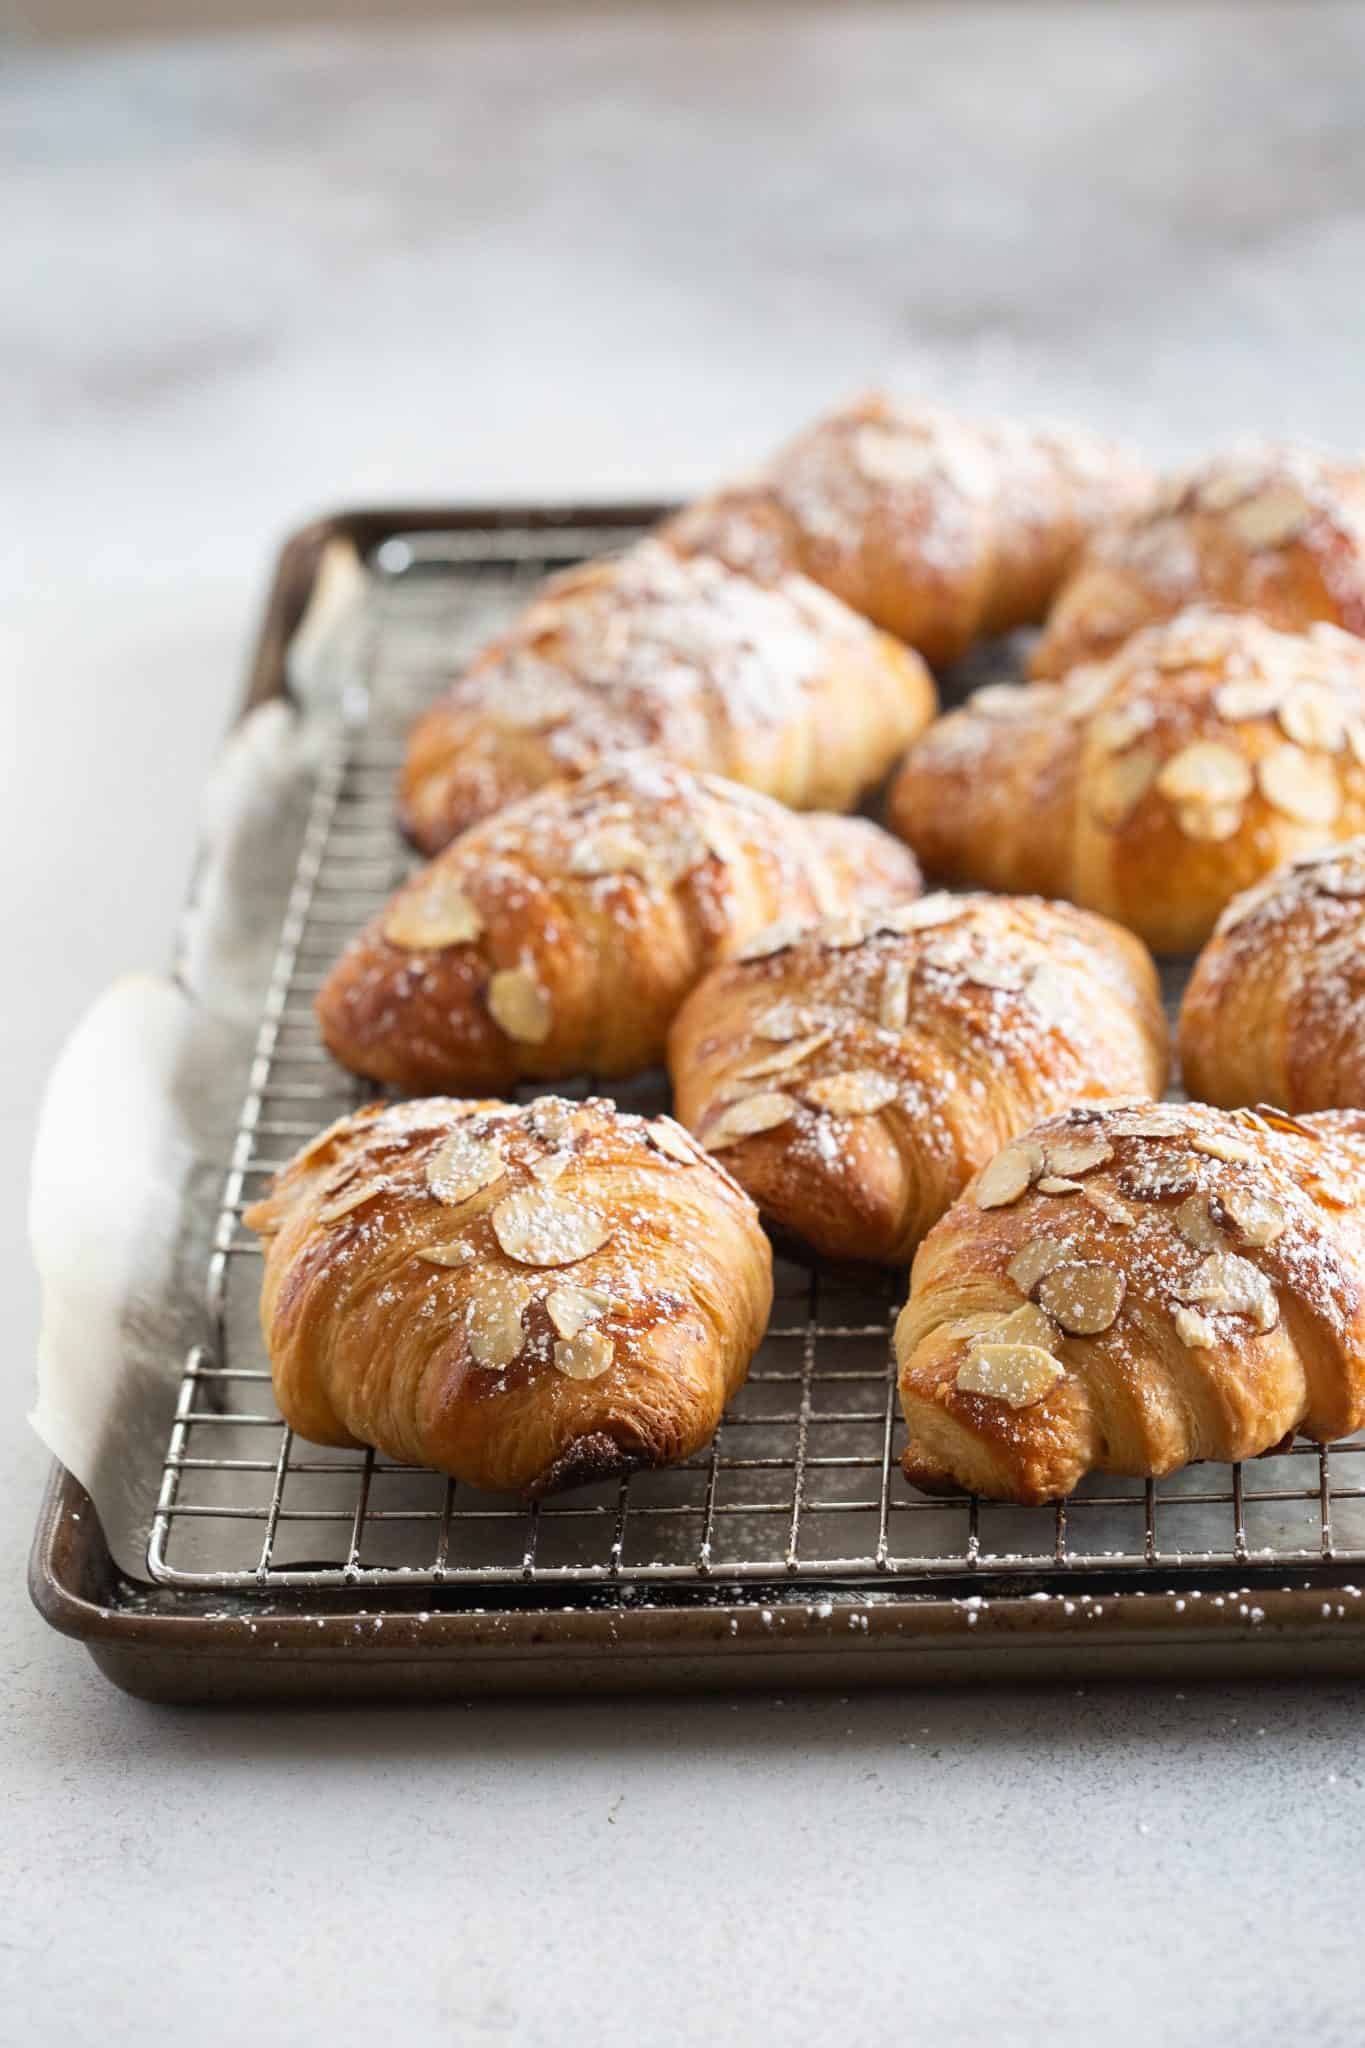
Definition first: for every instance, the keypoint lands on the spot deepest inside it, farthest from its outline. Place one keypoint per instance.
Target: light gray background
(246, 280)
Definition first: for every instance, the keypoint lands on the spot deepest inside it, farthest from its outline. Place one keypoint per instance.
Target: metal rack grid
(801, 1481)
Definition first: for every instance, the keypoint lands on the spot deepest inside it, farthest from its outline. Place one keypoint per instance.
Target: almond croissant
(1276, 531)
(1152, 786)
(560, 937)
(781, 688)
(523, 1298)
(1275, 1008)
(938, 528)
(1133, 1287)
(856, 1077)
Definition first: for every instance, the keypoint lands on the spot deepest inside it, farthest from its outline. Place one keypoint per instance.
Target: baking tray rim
(162, 1645)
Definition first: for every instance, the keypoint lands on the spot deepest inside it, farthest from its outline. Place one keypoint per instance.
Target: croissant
(524, 1298)
(856, 1077)
(781, 688)
(1277, 531)
(560, 937)
(1155, 785)
(937, 528)
(1133, 1287)
(1274, 1008)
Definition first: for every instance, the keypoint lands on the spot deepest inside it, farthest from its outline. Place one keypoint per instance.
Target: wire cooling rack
(802, 1479)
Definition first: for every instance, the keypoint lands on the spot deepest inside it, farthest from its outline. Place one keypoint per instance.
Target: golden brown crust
(937, 528)
(560, 937)
(880, 1061)
(780, 688)
(1194, 1291)
(1153, 786)
(1275, 1008)
(526, 1299)
(1275, 531)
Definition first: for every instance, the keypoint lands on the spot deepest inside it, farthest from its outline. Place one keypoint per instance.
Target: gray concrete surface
(248, 279)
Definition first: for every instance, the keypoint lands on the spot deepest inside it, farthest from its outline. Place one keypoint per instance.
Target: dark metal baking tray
(790, 1553)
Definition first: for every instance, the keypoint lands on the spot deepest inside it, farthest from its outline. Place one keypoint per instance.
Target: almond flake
(1033, 1260)
(785, 1057)
(1020, 1375)
(1196, 1332)
(456, 1253)
(571, 1309)
(1227, 1282)
(1272, 518)
(1211, 822)
(775, 938)
(1196, 1225)
(1083, 1297)
(1002, 700)
(353, 1198)
(1124, 782)
(785, 1020)
(1057, 1184)
(1155, 1179)
(519, 1005)
(1008, 1175)
(1311, 716)
(554, 1120)
(611, 851)
(921, 915)
(433, 913)
(893, 1001)
(550, 1168)
(1052, 992)
(747, 1117)
(1026, 1325)
(997, 974)
(1341, 879)
(1109, 1204)
(1115, 731)
(461, 1166)
(856, 1094)
(586, 1356)
(1233, 1151)
(1300, 785)
(668, 1138)
(1240, 701)
(842, 932)
(1259, 1219)
(1206, 772)
(1077, 1155)
(1085, 689)
(538, 1228)
(494, 1317)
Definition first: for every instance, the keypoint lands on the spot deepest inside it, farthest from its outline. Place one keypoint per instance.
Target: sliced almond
(1212, 822)
(1086, 688)
(1196, 1332)
(1002, 700)
(893, 1001)
(984, 972)
(668, 1138)
(571, 1309)
(456, 1253)
(1052, 992)
(613, 850)
(1008, 1175)
(1121, 786)
(461, 1166)
(519, 1005)
(1160, 1176)
(1344, 879)
(1116, 730)
(785, 1020)
(1233, 1151)
(550, 1168)
(1026, 1325)
(923, 914)
(1240, 701)
(586, 1356)
(1206, 773)
(1033, 1259)
(1109, 1204)
(538, 1228)
(1272, 518)
(1229, 1283)
(1083, 1297)
(554, 1120)
(1311, 716)
(352, 1198)
(433, 913)
(1195, 1222)
(1020, 1375)
(1259, 1219)
(786, 1057)
(747, 1117)
(1302, 786)
(494, 1321)
(1080, 1154)
(861, 1093)
(775, 938)
(1057, 1184)
(850, 929)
